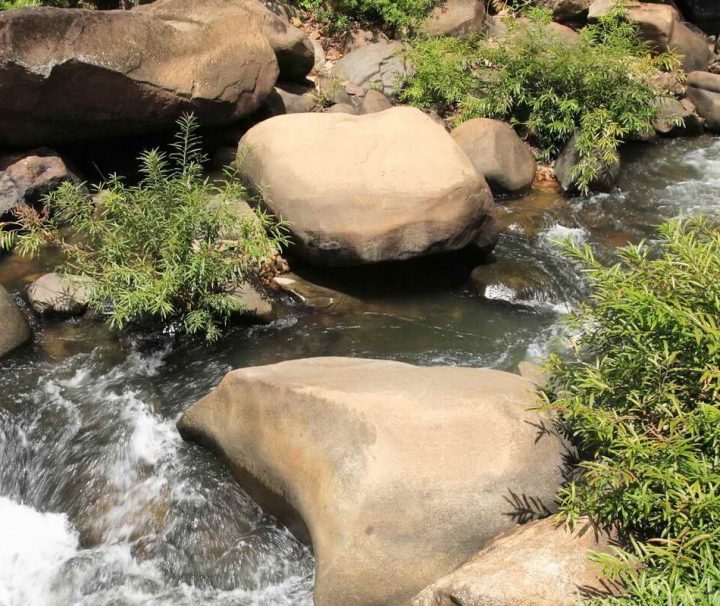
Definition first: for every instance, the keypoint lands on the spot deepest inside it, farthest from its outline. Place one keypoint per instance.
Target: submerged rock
(74, 74)
(497, 153)
(65, 295)
(26, 178)
(539, 564)
(14, 329)
(387, 186)
(396, 473)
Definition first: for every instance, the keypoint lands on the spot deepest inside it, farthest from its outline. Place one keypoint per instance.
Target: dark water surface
(101, 503)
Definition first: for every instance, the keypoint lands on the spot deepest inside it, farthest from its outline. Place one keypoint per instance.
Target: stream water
(102, 503)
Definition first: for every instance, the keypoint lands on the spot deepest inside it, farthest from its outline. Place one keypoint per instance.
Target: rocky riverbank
(411, 485)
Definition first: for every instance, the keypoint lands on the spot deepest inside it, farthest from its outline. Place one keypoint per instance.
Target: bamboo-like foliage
(171, 249)
(548, 88)
(640, 396)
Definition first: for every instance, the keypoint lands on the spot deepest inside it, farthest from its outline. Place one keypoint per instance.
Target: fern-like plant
(640, 396)
(171, 249)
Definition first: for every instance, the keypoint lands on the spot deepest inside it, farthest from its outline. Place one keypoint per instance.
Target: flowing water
(102, 503)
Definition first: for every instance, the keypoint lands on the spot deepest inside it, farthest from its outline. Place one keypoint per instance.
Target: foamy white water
(33, 548)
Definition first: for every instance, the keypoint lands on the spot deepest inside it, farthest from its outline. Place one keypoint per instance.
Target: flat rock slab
(396, 473)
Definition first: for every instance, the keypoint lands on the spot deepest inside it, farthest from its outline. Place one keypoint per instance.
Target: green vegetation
(172, 248)
(392, 14)
(640, 396)
(6, 5)
(546, 85)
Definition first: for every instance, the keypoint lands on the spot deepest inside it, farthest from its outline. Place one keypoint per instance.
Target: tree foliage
(171, 249)
(546, 85)
(640, 396)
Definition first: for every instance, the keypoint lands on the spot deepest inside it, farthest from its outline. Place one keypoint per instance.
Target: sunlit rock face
(72, 74)
(395, 473)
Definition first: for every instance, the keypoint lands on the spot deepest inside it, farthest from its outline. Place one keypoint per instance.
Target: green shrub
(640, 396)
(6, 5)
(171, 249)
(392, 14)
(548, 88)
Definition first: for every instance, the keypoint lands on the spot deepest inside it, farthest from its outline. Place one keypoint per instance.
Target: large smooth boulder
(456, 18)
(663, 27)
(397, 473)
(364, 189)
(497, 153)
(14, 329)
(60, 294)
(539, 564)
(703, 89)
(293, 49)
(378, 65)
(73, 74)
(26, 178)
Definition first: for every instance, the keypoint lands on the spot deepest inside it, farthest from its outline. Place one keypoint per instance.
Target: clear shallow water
(101, 503)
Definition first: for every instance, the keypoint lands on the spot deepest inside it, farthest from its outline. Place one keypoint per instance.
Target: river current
(102, 503)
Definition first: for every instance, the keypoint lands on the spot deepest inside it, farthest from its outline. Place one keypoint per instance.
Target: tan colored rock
(397, 473)
(297, 98)
(676, 118)
(377, 64)
(293, 50)
(456, 18)
(703, 91)
(662, 26)
(53, 293)
(68, 75)
(342, 108)
(26, 178)
(14, 329)
(387, 186)
(497, 153)
(257, 306)
(374, 101)
(539, 564)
